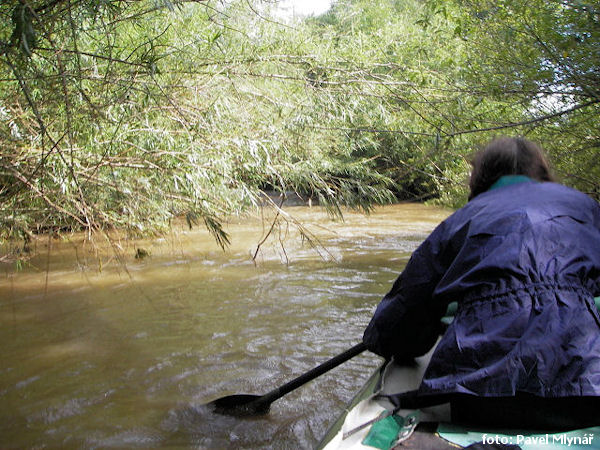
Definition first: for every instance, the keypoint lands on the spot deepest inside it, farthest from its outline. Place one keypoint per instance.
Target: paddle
(248, 404)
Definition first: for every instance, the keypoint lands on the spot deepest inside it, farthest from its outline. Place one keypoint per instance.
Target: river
(103, 350)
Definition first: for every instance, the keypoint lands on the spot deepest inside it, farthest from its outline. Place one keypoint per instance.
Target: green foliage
(128, 113)
(539, 60)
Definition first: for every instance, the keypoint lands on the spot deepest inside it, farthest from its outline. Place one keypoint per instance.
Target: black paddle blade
(240, 405)
(251, 405)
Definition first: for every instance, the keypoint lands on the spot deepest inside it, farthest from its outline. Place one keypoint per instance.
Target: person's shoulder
(521, 198)
(561, 190)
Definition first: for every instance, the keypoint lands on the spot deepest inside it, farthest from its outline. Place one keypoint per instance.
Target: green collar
(507, 180)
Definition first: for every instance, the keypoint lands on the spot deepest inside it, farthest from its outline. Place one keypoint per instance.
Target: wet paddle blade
(249, 405)
(240, 405)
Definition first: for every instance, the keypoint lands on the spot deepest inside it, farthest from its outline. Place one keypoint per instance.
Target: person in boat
(522, 259)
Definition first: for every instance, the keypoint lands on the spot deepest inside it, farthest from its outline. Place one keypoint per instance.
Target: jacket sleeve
(407, 321)
(595, 273)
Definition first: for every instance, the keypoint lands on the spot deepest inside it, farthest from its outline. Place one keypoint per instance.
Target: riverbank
(296, 227)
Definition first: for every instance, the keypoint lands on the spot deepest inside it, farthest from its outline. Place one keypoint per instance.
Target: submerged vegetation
(125, 114)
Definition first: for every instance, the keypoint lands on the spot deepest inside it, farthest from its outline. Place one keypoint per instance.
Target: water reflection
(101, 352)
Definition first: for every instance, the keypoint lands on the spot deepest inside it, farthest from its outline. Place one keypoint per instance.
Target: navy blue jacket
(523, 263)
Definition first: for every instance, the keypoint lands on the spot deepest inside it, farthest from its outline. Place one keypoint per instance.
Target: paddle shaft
(279, 392)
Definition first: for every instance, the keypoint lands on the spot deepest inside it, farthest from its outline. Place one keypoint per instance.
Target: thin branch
(264, 239)
(525, 122)
(24, 180)
(266, 19)
(372, 130)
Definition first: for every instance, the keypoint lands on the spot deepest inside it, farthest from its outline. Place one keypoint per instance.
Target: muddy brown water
(103, 350)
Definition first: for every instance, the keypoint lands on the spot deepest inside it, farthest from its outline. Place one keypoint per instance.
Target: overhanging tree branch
(525, 122)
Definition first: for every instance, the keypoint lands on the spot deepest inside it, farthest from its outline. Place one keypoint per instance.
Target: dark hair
(507, 156)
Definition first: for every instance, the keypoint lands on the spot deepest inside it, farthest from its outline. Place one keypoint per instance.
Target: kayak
(366, 423)
(371, 421)
(356, 424)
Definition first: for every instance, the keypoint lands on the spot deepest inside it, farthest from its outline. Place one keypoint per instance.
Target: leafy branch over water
(123, 114)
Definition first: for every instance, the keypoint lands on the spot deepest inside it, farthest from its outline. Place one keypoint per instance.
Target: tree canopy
(128, 113)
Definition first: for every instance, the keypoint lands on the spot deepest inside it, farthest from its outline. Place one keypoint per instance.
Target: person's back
(522, 259)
